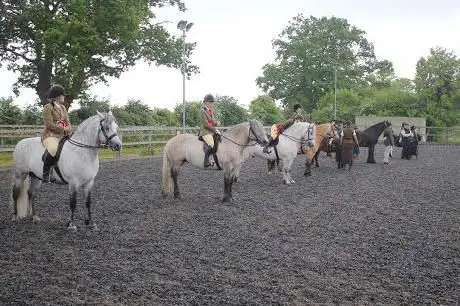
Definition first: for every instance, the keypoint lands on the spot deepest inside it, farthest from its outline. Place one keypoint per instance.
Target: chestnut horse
(324, 132)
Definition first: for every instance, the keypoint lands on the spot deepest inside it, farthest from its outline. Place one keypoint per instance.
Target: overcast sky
(234, 42)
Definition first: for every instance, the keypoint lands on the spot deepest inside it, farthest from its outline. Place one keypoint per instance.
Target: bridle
(250, 131)
(302, 140)
(101, 129)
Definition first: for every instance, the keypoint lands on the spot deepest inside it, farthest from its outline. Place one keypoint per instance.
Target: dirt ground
(383, 234)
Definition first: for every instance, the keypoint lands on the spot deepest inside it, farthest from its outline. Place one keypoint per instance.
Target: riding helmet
(209, 98)
(56, 91)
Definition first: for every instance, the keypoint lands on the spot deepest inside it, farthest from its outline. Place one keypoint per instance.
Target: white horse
(78, 165)
(289, 144)
(231, 152)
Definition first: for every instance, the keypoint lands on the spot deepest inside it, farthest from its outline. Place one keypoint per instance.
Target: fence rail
(10, 135)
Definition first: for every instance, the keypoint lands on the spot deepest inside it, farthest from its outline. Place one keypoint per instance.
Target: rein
(244, 145)
(101, 129)
(301, 139)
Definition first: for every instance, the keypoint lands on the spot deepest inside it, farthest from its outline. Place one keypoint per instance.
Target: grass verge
(6, 158)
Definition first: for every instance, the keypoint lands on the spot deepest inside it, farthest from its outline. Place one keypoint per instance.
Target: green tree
(383, 75)
(264, 109)
(437, 83)
(164, 117)
(392, 101)
(32, 115)
(228, 112)
(348, 106)
(78, 43)
(88, 107)
(192, 111)
(308, 52)
(10, 113)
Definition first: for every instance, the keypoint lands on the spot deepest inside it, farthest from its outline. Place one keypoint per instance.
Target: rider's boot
(48, 162)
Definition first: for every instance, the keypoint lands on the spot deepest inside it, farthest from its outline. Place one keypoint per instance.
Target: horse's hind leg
(35, 183)
(174, 175)
(87, 196)
(18, 196)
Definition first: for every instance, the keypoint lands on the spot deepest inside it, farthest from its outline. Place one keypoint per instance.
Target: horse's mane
(376, 126)
(84, 125)
(236, 128)
(374, 131)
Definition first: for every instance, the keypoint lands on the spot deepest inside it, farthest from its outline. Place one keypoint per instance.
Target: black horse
(369, 137)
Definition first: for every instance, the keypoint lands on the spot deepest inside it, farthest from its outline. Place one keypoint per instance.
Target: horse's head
(257, 129)
(329, 130)
(108, 131)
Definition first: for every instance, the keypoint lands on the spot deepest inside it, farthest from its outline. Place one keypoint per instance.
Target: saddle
(213, 151)
(56, 158)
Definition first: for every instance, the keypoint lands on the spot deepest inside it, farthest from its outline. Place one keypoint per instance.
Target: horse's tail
(22, 204)
(166, 173)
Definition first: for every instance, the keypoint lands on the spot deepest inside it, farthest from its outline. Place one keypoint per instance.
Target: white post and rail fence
(149, 136)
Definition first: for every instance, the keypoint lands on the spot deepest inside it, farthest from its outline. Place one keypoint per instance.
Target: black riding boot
(48, 162)
(207, 153)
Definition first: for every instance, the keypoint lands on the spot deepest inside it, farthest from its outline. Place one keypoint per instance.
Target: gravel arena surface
(380, 234)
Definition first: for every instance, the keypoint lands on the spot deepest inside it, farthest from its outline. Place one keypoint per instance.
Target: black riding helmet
(209, 98)
(297, 106)
(56, 91)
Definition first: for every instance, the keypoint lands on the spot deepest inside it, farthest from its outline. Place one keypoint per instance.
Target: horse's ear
(110, 113)
(100, 115)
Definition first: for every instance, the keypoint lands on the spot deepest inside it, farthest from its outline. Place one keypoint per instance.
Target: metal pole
(335, 94)
(183, 80)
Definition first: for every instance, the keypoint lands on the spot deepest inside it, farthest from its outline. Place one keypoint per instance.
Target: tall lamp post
(335, 94)
(184, 26)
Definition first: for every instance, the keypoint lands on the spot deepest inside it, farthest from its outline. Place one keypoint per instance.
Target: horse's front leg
(73, 204)
(308, 161)
(316, 159)
(228, 182)
(370, 156)
(289, 170)
(87, 196)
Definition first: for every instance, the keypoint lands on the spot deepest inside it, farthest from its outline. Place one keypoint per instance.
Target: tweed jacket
(53, 113)
(207, 122)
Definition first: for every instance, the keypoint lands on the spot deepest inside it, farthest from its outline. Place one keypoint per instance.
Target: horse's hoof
(292, 182)
(36, 219)
(307, 174)
(94, 227)
(71, 227)
(15, 218)
(164, 195)
(227, 199)
(177, 196)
